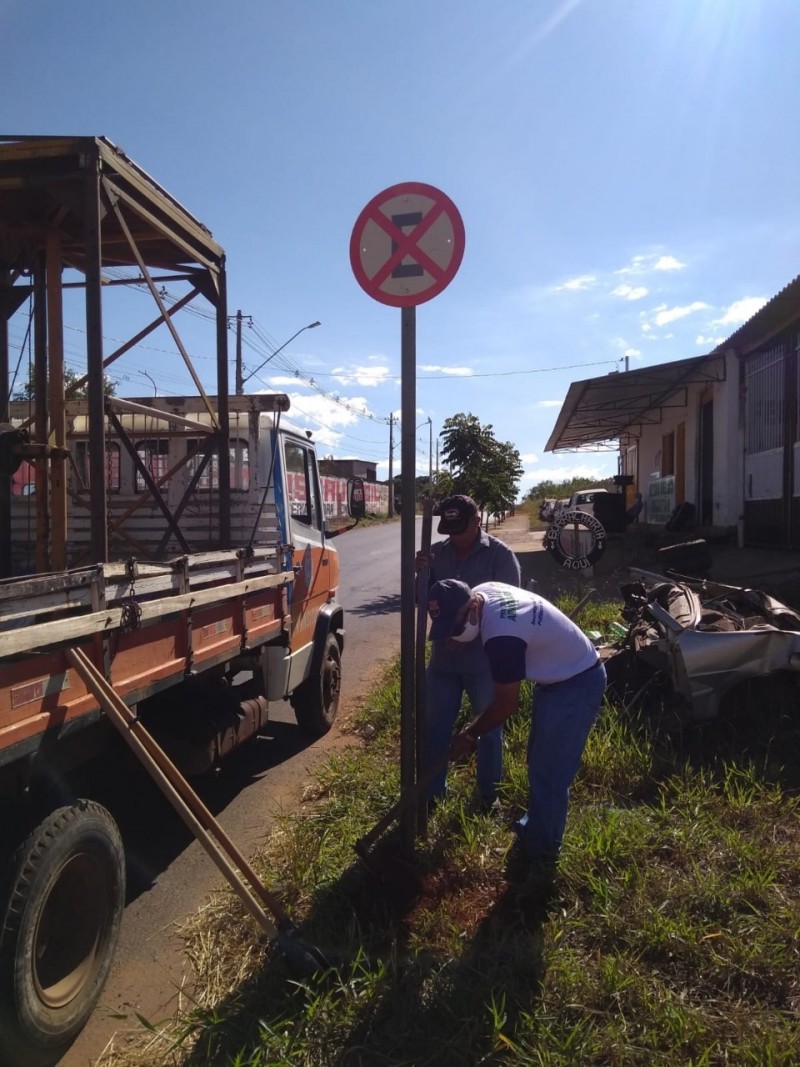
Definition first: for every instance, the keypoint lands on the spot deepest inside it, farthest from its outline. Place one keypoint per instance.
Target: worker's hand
(422, 560)
(462, 745)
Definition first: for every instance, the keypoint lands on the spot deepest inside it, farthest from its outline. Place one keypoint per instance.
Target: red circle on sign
(407, 244)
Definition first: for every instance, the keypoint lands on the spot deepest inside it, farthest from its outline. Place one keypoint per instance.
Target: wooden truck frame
(176, 544)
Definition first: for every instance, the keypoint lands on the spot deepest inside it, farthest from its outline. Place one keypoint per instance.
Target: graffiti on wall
(334, 496)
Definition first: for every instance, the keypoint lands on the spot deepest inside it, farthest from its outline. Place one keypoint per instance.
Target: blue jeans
(561, 719)
(443, 692)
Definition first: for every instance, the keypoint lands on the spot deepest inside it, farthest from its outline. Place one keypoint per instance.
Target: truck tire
(316, 700)
(61, 913)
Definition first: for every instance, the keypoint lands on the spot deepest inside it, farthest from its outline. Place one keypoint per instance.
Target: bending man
(525, 636)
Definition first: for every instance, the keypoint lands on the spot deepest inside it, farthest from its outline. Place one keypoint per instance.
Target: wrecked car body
(697, 640)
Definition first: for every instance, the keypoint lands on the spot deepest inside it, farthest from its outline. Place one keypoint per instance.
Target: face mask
(469, 633)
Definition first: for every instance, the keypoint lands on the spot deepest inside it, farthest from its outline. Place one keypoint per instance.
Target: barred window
(154, 454)
(764, 373)
(240, 466)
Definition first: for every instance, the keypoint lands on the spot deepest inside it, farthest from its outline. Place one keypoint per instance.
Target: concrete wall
(728, 445)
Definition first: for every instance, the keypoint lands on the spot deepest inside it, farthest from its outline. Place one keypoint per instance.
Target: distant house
(349, 468)
(720, 432)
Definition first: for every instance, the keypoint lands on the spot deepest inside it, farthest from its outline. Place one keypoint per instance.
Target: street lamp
(310, 326)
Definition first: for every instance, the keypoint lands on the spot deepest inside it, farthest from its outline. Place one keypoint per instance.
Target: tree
(27, 390)
(481, 466)
(561, 490)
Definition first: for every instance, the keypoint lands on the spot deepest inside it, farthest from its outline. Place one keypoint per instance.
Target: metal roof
(598, 411)
(779, 313)
(42, 187)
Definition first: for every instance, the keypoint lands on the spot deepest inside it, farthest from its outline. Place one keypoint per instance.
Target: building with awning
(720, 432)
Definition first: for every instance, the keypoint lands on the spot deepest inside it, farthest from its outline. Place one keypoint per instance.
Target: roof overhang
(599, 411)
(777, 315)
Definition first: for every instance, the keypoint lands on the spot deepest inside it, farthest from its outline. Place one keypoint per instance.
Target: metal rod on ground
(587, 596)
(411, 796)
(198, 818)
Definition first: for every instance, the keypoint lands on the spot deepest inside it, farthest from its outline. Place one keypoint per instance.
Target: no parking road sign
(407, 244)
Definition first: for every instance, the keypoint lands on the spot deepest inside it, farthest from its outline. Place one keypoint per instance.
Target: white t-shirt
(525, 636)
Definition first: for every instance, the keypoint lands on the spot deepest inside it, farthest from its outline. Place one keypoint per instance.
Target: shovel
(303, 959)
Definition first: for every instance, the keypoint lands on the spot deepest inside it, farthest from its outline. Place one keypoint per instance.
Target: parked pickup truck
(583, 500)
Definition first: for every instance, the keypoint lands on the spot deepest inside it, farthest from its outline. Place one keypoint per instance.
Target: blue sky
(626, 170)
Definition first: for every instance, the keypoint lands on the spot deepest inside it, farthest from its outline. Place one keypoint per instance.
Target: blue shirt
(489, 560)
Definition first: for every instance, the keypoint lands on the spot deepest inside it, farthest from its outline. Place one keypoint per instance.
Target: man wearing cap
(472, 556)
(525, 636)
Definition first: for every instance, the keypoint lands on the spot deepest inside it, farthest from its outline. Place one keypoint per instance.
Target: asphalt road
(170, 875)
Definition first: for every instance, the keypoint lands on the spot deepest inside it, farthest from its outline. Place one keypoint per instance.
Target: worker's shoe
(517, 863)
(489, 806)
(539, 886)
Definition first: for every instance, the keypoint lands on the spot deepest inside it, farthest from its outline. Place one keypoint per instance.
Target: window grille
(764, 429)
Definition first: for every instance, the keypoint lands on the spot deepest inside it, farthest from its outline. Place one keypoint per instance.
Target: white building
(720, 432)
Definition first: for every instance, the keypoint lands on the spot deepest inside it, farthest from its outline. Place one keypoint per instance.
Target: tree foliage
(28, 389)
(481, 466)
(548, 490)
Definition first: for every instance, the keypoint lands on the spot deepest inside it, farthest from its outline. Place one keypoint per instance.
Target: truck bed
(147, 626)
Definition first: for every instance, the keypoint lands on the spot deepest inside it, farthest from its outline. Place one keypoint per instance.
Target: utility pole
(430, 456)
(391, 452)
(239, 377)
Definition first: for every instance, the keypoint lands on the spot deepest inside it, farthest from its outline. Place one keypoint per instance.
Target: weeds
(673, 939)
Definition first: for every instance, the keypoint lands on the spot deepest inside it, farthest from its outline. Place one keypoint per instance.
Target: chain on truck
(153, 543)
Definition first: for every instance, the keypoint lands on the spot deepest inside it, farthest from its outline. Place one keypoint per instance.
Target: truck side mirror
(356, 500)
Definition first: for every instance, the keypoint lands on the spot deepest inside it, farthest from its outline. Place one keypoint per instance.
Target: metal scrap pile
(693, 641)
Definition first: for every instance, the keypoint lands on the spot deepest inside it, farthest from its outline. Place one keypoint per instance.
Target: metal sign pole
(405, 248)
(408, 346)
(423, 581)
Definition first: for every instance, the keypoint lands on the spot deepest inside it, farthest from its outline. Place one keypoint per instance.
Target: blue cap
(445, 599)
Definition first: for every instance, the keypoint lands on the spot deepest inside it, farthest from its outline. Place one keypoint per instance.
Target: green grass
(674, 937)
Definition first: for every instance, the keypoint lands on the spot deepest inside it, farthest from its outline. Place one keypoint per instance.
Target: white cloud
(361, 375)
(631, 353)
(529, 457)
(636, 264)
(668, 263)
(582, 281)
(314, 408)
(741, 310)
(630, 292)
(665, 314)
(326, 440)
(457, 372)
(708, 342)
(549, 403)
(641, 263)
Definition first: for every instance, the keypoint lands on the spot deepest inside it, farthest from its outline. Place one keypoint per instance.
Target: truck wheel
(60, 916)
(316, 701)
